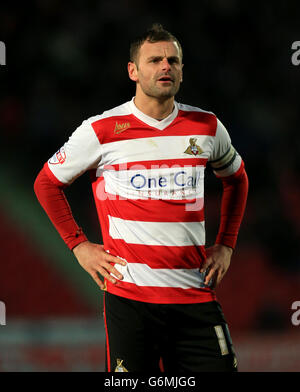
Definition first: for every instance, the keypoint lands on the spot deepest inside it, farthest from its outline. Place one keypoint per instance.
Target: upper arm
(80, 153)
(224, 160)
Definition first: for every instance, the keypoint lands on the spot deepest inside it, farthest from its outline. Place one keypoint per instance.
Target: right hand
(93, 258)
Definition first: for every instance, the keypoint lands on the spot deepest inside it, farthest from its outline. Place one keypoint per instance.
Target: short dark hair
(156, 33)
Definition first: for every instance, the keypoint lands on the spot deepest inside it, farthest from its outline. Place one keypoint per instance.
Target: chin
(162, 94)
(169, 94)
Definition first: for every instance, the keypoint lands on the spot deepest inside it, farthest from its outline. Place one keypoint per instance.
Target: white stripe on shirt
(157, 233)
(156, 147)
(143, 275)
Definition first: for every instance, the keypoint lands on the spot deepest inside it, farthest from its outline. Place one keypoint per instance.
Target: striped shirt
(148, 185)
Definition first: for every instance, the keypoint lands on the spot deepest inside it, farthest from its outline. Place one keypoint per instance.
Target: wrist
(226, 248)
(79, 246)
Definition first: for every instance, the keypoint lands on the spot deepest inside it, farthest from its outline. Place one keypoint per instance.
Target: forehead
(162, 48)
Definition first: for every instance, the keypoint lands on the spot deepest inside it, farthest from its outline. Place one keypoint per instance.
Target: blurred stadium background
(66, 61)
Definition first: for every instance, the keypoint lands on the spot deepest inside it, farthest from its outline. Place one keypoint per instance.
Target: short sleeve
(224, 160)
(80, 153)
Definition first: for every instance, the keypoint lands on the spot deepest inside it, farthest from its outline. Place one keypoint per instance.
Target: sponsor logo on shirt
(178, 179)
(193, 148)
(164, 183)
(59, 157)
(121, 127)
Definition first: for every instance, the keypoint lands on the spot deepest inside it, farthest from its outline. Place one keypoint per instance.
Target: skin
(155, 60)
(217, 262)
(155, 98)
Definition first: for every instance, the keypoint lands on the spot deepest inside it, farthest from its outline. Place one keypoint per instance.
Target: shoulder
(103, 125)
(196, 113)
(207, 120)
(121, 110)
(193, 109)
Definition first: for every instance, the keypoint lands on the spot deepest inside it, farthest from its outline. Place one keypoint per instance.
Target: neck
(154, 107)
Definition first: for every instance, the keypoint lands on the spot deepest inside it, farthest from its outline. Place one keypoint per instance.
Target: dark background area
(67, 61)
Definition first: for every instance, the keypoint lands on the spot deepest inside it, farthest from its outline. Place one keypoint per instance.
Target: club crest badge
(193, 148)
(120, 367)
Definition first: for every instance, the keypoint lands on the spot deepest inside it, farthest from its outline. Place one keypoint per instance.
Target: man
(147, 158)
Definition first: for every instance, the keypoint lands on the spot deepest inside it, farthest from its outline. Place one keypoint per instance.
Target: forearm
(56, 206)
(233, 204)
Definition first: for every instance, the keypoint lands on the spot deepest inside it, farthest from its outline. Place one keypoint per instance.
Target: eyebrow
(161, 57)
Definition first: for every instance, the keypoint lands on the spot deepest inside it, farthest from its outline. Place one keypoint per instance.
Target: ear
(132, 71)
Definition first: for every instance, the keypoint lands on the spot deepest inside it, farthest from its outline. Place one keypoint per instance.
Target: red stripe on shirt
(185, 124)
(158, 164)
(187, 210)
(158, 256)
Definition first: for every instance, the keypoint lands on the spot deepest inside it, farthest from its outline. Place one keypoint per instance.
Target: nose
(165, 65)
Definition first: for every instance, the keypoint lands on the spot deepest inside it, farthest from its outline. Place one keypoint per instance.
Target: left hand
(217, 263)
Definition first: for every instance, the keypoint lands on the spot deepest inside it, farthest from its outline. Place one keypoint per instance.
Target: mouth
(165, 79)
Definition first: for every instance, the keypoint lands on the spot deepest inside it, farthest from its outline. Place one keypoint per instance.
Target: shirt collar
(159, 124)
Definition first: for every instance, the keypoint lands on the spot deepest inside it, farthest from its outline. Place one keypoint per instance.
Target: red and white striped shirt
(148, 185)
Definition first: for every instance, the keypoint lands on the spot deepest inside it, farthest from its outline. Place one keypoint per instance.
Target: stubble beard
(163, 92)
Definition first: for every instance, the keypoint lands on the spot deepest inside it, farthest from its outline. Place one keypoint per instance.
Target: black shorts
(146, 337)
